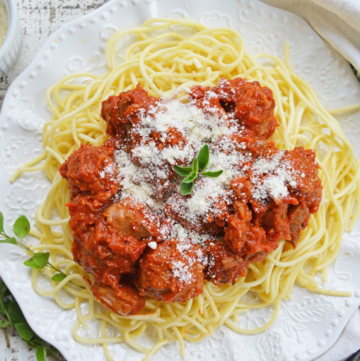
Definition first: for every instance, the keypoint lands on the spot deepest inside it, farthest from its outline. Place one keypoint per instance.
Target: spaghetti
(168, 57)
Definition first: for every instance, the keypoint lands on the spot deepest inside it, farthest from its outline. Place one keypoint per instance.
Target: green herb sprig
(39, 260)
(10, 312)
(191, 173)
(12, 317)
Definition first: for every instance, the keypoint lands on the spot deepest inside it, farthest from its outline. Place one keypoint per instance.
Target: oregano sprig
(10, 312)
(191, 173)
(38, 260)
(11, 316)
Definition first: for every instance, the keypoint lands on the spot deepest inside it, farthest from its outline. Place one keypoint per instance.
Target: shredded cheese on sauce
(152, 245)
(196, 125)
(275, 185)
(270, 175)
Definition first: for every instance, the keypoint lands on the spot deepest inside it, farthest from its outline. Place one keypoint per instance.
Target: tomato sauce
(128, 248)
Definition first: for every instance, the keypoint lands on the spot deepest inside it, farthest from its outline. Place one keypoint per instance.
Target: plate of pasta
(192, 182)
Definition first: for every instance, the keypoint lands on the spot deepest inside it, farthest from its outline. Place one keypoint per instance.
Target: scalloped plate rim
(17, 294)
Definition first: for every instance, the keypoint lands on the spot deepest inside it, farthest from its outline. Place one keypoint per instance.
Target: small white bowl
(11, 46)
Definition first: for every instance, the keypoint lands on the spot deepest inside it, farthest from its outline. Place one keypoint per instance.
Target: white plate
(308, 324)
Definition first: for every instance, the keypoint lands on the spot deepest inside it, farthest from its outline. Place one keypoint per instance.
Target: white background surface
(39, 18)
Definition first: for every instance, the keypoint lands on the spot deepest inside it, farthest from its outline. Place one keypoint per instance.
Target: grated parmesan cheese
(271, 175)
(279, 174)
(182, 272)
(152, 245)
(134, 181)
(196, 125)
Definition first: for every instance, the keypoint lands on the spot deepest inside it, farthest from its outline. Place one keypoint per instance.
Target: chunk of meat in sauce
(250, 104)
(97, 246)
(308, 184)
(208, 100)
(131, 217)
(213, 222)
(298, 217)
(287, 218)
(122, 110)
(99, 249)
(119, 298)
(238, 225)
(172, 274)
(91, 171)
(123, 113)
(224, 266)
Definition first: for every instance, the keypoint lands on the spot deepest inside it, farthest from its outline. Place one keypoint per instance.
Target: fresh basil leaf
(24, 330)
(22, 227)
(40, 353)
(212, 174)
(203, 157)
(182, 171)
(186, 188)
(38, 260)
(195, 165)
(1, 222)
(190, 178)
(58, 277)
(11, 240)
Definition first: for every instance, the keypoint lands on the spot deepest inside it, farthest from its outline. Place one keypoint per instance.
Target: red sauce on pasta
(140, 237)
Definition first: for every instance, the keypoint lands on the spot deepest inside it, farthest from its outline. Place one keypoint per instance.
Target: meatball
(246, 238)
(208, 100)
(97, 247)
(273, 219)
(204, 210)
(173, 272)
(285, 219)
(248, 102)
(308, 184)
(121, 298)
(122, 111)
(224, 266)
(131, 217)
(91, 171)
(106, 255)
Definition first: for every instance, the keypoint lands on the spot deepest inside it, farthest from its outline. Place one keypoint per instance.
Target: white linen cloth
(338, 22)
